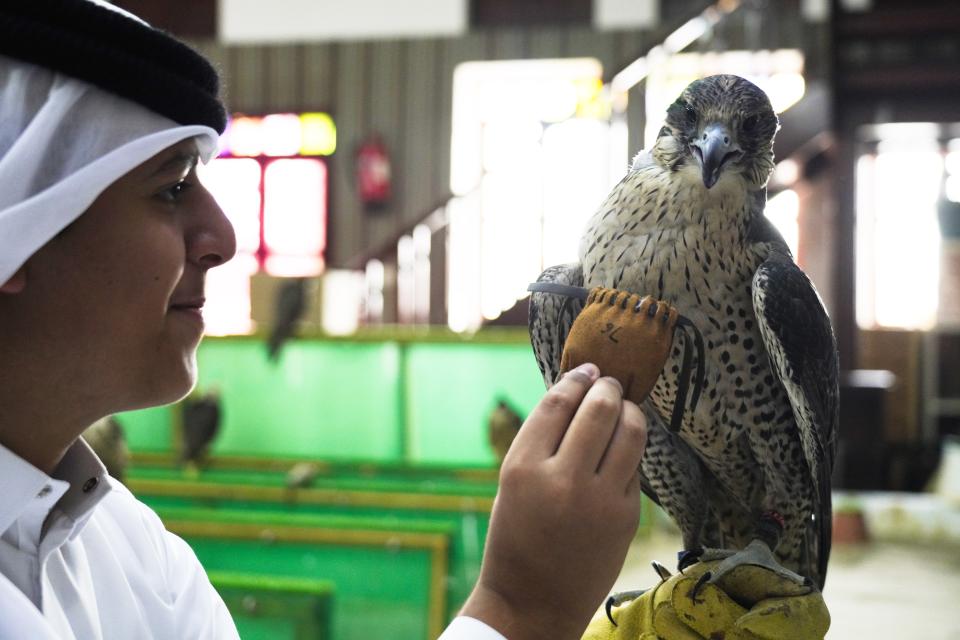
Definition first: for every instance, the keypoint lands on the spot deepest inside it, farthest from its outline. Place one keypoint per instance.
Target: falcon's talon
(608, 607)
(618, 599)
(688, 558)
(704, 579)
(661, 570)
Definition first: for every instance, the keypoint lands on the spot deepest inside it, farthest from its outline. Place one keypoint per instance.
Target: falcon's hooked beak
(713, 149)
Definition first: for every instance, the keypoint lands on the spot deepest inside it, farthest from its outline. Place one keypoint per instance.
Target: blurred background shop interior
(397, 173)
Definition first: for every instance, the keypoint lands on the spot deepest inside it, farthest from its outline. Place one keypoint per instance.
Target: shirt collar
(80, 478)
(21, 482)
(87, 476)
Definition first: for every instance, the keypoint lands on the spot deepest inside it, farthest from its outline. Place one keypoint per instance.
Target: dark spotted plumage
(686, 225)
(550, 319)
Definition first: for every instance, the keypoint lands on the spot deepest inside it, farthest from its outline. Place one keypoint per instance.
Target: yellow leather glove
(748, 603)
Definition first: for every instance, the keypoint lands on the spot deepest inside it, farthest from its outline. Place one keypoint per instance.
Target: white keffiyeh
(62, 142)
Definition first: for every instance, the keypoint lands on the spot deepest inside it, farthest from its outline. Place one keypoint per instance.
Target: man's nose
(214, 241)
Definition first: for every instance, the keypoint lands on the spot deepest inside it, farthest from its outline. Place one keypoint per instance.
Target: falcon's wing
(803, 351)
(550, 317)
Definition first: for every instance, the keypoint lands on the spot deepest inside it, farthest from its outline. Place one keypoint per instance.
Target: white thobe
(82, 559)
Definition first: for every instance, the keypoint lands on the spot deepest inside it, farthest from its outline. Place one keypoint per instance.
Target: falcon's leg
(677, 476)
(711, 538)
(674, 475)
(758, 552)
(729, 524)
(778, 531)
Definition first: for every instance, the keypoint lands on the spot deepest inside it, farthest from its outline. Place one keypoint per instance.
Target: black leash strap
(560, 289)
(685, 378)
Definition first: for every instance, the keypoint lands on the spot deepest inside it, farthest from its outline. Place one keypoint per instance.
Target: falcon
(201, 416)
(503, 424)
(746, 472)
(106, 438)
(290, 302)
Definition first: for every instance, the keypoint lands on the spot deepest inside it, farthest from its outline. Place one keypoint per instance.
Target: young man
(105, 239)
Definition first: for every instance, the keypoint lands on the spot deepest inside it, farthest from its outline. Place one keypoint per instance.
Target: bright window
(274, 192)
(227, 310)
(294, 192)
(898, 182)
(783, 211)
(531, 153)
(235, 183)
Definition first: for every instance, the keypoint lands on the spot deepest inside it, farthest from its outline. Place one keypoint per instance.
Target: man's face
(117, 296)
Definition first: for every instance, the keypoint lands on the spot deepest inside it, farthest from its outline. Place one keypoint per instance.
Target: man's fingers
(544, 428)
(592, 426)
(622, 457)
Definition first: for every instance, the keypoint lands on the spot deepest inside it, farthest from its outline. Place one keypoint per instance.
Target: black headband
(116, 53)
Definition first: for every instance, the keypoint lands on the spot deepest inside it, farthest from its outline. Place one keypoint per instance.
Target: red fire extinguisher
(373, 174)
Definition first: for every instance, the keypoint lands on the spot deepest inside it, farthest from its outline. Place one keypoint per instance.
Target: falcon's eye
(689, 115)
(750, 123)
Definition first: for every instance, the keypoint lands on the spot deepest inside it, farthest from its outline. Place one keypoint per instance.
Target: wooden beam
(194, 19)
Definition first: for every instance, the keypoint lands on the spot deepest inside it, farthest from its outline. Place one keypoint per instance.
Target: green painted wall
(324, 399)
(380, 593)
(148, 430)
(452, 388)
(404, 401)
(271, 608)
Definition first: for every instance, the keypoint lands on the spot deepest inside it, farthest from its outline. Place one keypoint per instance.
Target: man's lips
(190, 305)
(196, 302)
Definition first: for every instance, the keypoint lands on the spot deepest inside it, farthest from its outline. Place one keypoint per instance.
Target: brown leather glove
(630, 337)
(627, 336)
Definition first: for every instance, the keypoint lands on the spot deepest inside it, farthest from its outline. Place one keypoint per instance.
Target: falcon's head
(722, 125)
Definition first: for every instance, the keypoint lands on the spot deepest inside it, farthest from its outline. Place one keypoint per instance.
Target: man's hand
(567, 508)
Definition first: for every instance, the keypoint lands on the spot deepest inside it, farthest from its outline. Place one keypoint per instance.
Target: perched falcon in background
(302, 474)
(106, 438)
(290, 303)
(749, 468)
(503, 424)
(201, 414)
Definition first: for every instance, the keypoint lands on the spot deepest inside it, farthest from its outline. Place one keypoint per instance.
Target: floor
(876, 590)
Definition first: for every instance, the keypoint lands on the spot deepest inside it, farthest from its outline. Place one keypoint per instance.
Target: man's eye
(175, 192)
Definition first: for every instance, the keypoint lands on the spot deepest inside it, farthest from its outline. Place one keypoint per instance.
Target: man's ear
(16, 283)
